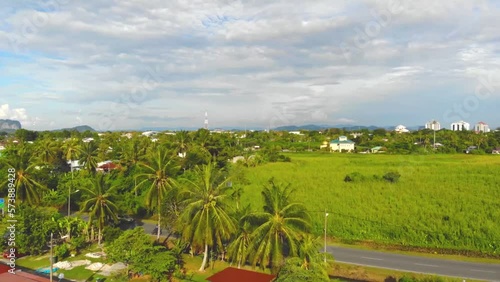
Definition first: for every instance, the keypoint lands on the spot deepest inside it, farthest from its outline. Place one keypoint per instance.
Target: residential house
(481, 127)
(232, 274)
(342, 144)
(75, 165)
(496, 151)
(460, 125)
(295, 132)
(17, 275)
(88, 139)
(401, 129)
(106, 166)
(149, 133)
(377, 149)
(433, 125)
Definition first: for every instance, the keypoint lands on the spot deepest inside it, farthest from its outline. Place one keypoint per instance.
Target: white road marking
(429, 265)
(371, 258)
(479, 270)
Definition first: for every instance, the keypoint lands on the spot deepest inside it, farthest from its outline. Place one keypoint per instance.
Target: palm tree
(206, 217)
(46, 150)
(88, 156)
(238, 249)
(281, 226)
(99, 203)
(309, 250)
(71, 149)
(22, 160)
(181, 141)
(159, 170)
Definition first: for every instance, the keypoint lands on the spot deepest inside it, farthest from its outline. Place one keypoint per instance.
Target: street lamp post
(51, 256)
(326, 215)
(69, 189)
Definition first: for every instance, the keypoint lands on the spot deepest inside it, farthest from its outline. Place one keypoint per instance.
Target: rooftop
(232, 274)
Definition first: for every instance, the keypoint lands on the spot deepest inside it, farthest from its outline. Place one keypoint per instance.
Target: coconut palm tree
(238, 249)
(46, 150)
(181, 141)
(159, 170)
(71, 149)
(100, 203)
(206, 216)
(24, 163)
(281, 226)
(88, 156)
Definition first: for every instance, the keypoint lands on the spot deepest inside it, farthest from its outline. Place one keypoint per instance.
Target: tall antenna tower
(206, 120)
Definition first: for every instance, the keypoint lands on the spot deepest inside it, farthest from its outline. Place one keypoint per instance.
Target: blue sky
(133, 64)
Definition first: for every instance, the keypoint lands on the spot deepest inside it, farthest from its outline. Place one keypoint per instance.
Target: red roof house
(232, 274)
(19, 276)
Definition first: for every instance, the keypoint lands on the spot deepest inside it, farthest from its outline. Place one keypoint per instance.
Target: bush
(110, 234)
(77, 243)
(61, 251)
(392, 176)
(353, 177)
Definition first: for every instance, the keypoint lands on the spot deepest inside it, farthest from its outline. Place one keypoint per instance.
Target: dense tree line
(186, 181)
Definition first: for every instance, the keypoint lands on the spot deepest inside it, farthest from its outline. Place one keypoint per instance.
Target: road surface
(444, 267)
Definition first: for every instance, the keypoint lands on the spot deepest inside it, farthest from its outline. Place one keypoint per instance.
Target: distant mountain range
(9, 125)
(80, 128)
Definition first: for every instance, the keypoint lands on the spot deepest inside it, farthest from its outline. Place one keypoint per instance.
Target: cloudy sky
(130, 64)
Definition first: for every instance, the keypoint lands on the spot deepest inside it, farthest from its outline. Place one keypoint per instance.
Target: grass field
(440, 201)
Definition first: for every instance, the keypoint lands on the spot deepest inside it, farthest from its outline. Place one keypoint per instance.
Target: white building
(342, 144)
(460, 125)
(433, 125)
(401, 129)
(481, 127)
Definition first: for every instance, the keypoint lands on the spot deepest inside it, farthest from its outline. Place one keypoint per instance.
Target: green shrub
(61, 251)
(110, 233)
(392, 176)
(353, 177)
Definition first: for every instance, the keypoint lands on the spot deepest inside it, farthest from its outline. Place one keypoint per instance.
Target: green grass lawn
(440, 201)
(78, 273)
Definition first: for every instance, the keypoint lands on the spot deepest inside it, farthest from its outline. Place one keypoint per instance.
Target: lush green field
(440, 201)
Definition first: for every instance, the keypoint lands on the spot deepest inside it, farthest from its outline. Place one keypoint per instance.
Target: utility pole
(434, 139)
(326, 215)
(69, 190)
(51, 256)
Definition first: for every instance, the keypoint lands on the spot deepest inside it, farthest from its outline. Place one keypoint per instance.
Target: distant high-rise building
(482, 127)
(460, 125)
(433, 125)
(206, 120)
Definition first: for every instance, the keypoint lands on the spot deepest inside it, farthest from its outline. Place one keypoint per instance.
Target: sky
(130, 64)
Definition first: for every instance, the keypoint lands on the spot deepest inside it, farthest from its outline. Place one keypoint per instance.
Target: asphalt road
(445, 267)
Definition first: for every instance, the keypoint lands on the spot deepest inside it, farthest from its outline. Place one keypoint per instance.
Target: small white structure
(342, 144)
(88, 139)
(460, 125)
(481, 127)
(295, 132)
(149, 133)
(75, 165)
(433, 125)
(401, 129)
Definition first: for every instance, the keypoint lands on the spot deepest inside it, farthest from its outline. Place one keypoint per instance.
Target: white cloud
(15, 114)
(244, 61)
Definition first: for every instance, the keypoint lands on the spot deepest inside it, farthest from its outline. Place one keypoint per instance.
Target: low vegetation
(434, 202)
